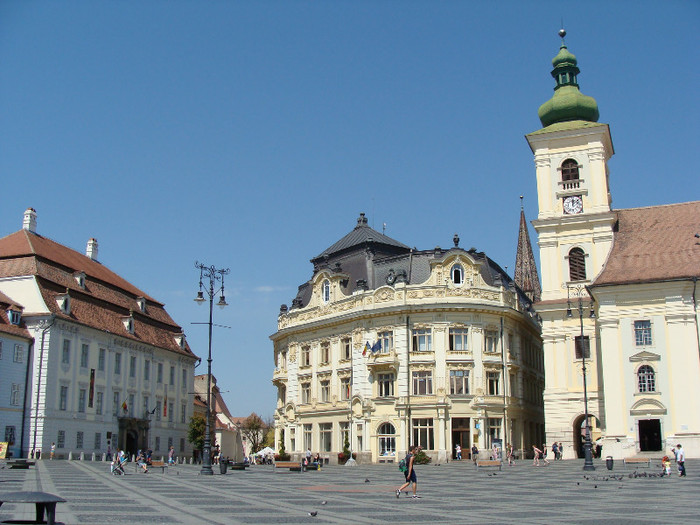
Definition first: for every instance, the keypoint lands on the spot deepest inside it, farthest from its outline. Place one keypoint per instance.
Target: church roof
(525, 268)
(656, 243)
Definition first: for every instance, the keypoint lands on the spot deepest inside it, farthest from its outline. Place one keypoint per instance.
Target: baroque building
(387, 346)
(107, 366)
(618, 305)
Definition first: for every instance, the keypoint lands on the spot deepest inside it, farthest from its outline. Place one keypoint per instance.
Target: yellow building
(390, 346)
(618, 298)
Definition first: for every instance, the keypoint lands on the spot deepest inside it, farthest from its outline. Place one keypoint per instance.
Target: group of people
(679, 453)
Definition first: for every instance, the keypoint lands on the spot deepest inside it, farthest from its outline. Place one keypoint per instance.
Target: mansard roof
(656, 243)
(103, 300)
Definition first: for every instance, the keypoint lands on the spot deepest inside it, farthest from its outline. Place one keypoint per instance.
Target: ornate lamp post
(214, 275)
(578, 291)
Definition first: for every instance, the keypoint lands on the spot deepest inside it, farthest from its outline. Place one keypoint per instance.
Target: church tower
(575, 232)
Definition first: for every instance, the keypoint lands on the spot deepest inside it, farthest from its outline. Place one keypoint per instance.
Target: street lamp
(214, 275)
(578, 291)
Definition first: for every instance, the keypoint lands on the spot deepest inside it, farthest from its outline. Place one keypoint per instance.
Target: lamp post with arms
(578, 291)
(214, 275)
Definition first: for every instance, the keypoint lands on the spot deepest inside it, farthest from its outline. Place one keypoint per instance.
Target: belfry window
(577, 265)
(569, 170)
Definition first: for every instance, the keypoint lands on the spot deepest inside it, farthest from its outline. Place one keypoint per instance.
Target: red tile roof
(656, 243)
(6, 327)
(103, 301)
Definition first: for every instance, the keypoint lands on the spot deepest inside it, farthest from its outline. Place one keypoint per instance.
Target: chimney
(91, 250)
(29, 222)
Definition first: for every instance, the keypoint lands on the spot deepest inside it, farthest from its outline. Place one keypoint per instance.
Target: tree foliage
(195, 432)
(254, 430)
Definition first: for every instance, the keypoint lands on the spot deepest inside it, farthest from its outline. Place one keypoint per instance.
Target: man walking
(410, 472)
(680, 459)
(458, 452)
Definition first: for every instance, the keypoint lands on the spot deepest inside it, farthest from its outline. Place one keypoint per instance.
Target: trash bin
(609, 462)
(223, 466)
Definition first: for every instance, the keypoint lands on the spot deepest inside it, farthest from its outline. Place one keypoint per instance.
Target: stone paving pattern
(451, 493)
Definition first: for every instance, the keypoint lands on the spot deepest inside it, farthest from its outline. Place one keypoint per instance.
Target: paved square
(451, 493)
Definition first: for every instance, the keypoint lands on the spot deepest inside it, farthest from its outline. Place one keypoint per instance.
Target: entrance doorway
(649, 435)
(461, 436)
(580, 434)
(132, 439)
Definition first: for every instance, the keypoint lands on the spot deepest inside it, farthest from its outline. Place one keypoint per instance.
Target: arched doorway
(579, 434)
(387, 440)
(132, 439)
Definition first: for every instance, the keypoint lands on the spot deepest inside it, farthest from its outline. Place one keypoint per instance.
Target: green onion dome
(568, 103)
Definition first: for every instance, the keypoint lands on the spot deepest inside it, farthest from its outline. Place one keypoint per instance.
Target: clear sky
(250, 135)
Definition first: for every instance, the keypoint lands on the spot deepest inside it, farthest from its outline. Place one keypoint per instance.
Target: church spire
(525, 269)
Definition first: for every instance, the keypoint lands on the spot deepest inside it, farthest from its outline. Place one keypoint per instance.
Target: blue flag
(376, 347)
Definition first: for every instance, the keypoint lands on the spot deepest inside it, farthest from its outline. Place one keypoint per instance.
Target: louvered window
(569, 170)
(577, 265)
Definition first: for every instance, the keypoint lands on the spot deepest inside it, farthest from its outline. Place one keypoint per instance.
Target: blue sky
(250, 135)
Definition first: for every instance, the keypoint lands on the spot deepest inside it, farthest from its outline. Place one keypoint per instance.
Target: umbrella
(265, 451)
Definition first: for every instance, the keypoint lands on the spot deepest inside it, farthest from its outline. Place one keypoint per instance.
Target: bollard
(93, 456)
(104, 456)
(70, 456)
(82, 456)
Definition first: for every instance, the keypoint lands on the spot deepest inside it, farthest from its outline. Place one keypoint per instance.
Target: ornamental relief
(384, 295)
(428, 367)
(439, 329)
(292, 354)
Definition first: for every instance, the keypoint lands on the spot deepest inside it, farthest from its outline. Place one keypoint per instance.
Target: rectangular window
(65, 356)
(147, 370)
(14, 394)
(79, 439)
(84, 355)
(159, 410)
(494, 428)
(582, 345)
(326, 430)
(642, 333)
(493, 380)
(422, 340)
(422, 383)
(423, 433)
(159, 379)
(61, 439)
(307, 436)
(131, 406)
(146, 407)
(325, 353)
(183, 413)
(387, 341)
(182, 444)
(9, 436)
(132, 366)
(115, 403)
(305, 355)
(63, 398)
(344, 388)
(170, 442)
(99, 399)
(386, 385)
(306, 393)
(459, 382)
(98, 440)
(346, 348)
(171, 416)
(117, 363)
(101, 360)
(458, 339)
(490, 341)
(82, 396)
(172, 375)
(325, 391)
(19, 354)
(183, 386)
(158, 443)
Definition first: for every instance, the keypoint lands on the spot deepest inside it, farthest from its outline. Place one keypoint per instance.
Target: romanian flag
(367, 347)
(124, 407)
(165, 407)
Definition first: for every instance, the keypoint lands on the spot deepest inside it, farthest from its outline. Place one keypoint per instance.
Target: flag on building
(367, 347)
(376, 347)
(165, 407)
(124, 407)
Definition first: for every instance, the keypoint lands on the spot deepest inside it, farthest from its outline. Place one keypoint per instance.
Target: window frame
(422, 340)
(646, 379)
(459, 380)
(385, 384)
(577, 264)
(642, 332)
(422, 382)
(458, 335)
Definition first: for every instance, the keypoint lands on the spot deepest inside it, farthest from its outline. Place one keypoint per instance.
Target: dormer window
(63, 302)
(326, 291)
(569, 170)
(80, 279)
(457, 274)
(129, 323)
(141, 301)
(15, 316)
(180, 340)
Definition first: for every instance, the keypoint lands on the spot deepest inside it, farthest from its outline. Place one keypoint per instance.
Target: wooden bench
(161, 464)
(481, 463)
(291, 465)
(637, 461)
(45, 503)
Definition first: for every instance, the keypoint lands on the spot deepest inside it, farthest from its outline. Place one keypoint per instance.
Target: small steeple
(525, 268)
(568, 103)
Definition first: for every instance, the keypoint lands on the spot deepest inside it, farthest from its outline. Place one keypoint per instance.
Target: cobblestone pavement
(450, 493)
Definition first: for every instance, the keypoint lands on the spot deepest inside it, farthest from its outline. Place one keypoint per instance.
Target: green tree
(254, 429)
(195, 432)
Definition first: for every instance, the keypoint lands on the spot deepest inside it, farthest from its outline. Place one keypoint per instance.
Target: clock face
(573, 204)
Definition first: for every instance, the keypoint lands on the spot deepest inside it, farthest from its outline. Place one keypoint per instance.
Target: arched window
(646, 379)
(326, 291)
(569, 170)
(577, 265)
(387, 440)
(457, 274)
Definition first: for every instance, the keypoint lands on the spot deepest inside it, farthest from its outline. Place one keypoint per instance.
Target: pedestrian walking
(555, 451)
(561, 450)
(475, 453)
(680, 459)
(494, 452)
(509, 455)
(458, 452)
(410, 472)
(53, 450)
